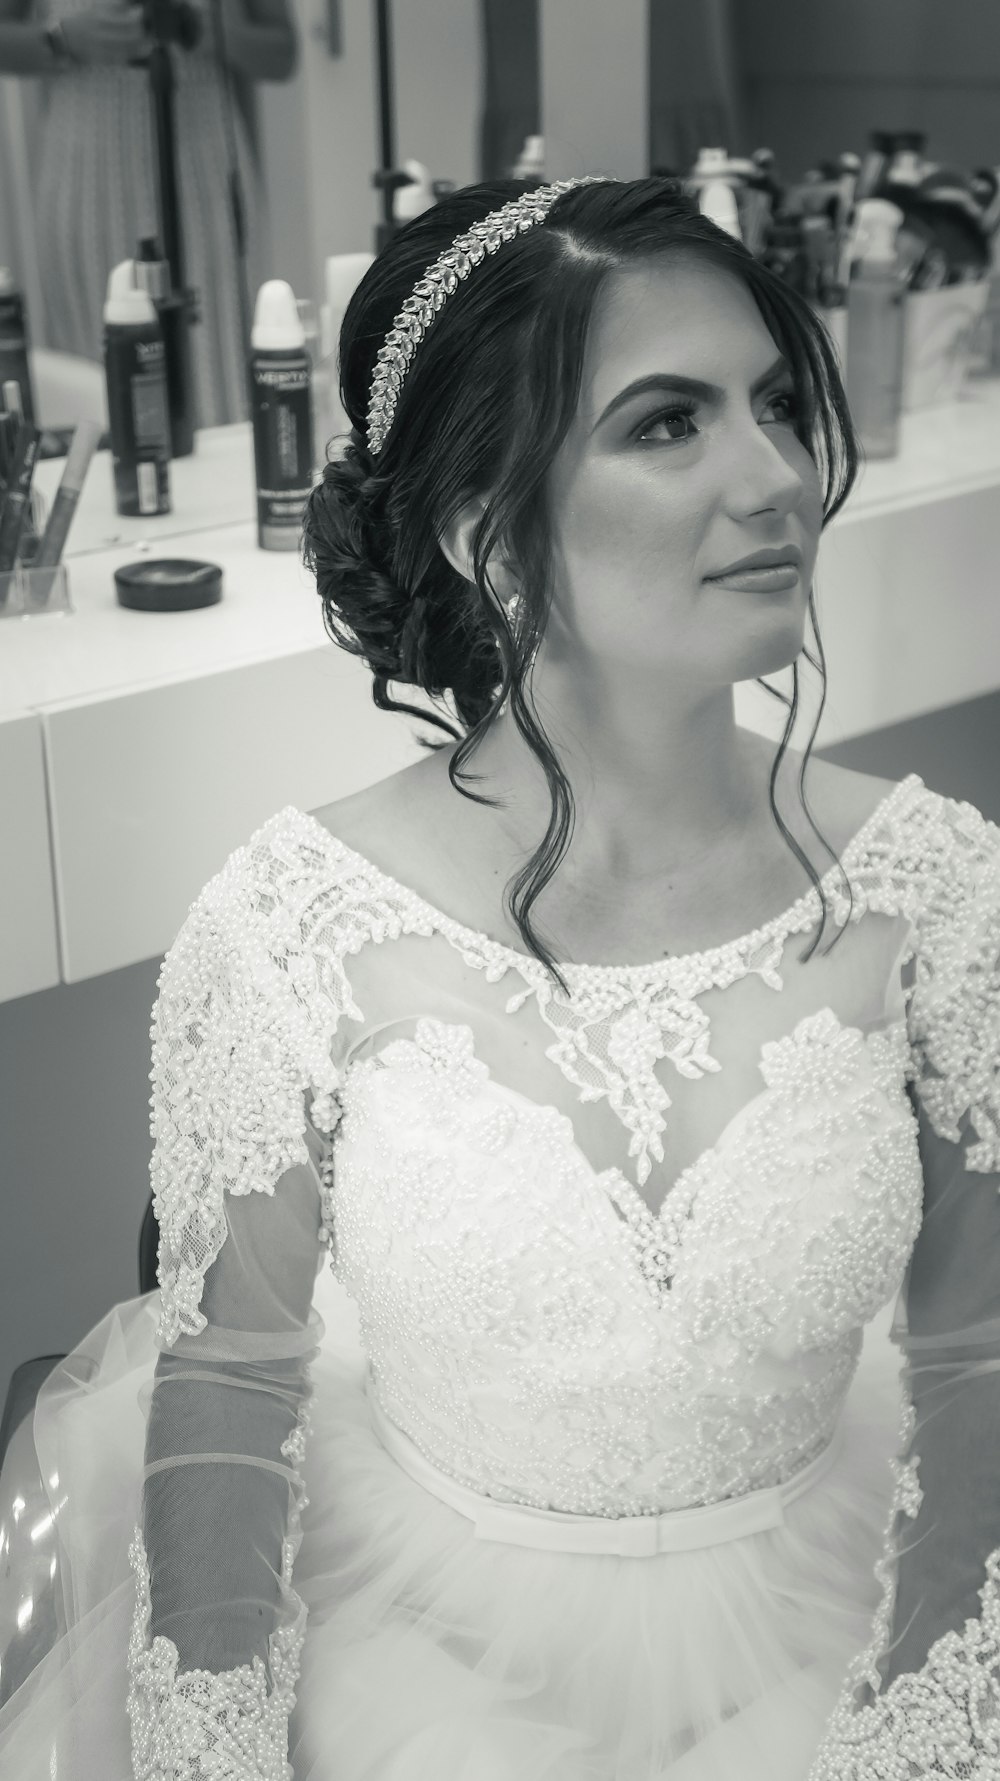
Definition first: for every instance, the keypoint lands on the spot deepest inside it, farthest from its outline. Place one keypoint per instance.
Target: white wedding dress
(588, 1457)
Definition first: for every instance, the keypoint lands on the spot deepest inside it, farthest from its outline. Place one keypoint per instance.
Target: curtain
(512, 96)
(695, 95)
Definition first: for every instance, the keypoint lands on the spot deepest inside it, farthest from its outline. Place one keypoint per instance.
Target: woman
(584, 1469)
(96, 192)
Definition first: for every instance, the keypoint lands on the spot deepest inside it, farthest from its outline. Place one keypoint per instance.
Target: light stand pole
(178, 308)
(388, 177)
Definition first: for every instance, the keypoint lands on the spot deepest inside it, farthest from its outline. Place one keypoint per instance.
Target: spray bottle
(530, 164)
(138, 411)
(281, 388)
(413, 199)
(714, 183)
(876, 298)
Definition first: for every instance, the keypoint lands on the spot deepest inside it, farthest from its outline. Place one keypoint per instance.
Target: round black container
(168, 584)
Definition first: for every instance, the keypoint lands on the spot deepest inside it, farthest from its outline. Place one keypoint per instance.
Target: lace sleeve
(242, 1107)
(924, 1698)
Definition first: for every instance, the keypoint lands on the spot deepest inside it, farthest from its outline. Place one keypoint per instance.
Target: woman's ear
(457, 545)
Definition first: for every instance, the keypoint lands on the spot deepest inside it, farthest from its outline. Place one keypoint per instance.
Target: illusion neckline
(668, 966)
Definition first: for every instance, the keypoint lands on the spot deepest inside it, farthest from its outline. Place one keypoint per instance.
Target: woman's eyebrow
(687, 386)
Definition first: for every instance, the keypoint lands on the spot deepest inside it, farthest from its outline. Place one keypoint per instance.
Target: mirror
(87, 119)
(296, 115)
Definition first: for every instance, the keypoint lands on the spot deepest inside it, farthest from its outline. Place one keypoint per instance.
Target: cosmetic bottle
(138, 416)
(281, 394)
(152, 274)
(530, 164)
(881, 148)
(907, 166)
(417, 197)
(714, 184)
(876, 298)
(14, 341)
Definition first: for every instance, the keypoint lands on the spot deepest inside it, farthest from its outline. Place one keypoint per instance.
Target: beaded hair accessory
(438, 282)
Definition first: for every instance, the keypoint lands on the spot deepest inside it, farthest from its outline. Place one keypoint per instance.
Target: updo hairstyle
(488, 399)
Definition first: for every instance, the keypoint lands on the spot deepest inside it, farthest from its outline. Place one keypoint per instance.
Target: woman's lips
(777, 579)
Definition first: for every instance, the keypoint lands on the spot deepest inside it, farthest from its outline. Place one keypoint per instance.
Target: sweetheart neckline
(712, 1150)
(656, 1234)
(614, 1170)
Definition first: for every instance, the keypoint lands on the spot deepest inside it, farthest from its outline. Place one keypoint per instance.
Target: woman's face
(646, 503)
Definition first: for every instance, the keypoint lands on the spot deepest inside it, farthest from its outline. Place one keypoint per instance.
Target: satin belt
(625, 1536)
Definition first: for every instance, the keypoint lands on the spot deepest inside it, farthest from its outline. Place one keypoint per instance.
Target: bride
(536, 1194)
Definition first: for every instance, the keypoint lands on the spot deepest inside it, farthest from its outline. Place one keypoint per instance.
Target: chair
(28, 1544)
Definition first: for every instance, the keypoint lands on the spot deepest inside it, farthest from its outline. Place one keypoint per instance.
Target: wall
(320, 132)
(74, 1160)
(818, 78)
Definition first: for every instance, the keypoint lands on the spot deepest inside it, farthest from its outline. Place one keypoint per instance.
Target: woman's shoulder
(373, 815)
(418, 803)
(415, 830)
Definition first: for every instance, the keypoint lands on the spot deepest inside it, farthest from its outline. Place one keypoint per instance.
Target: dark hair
(487, 400)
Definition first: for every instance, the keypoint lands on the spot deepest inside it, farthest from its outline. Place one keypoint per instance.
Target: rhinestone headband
(438, 282)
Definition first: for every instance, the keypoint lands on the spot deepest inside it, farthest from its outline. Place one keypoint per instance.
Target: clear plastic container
(27, 592)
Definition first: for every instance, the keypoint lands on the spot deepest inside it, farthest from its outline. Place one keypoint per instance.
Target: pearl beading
(944, 1719)
(246, 1023)
(480, 1234)
(230, 1720)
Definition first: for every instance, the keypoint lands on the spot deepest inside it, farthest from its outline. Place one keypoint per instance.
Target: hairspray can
(876, 296)
(281, 394)
(714, 183)
(138, 415)
(14, 342)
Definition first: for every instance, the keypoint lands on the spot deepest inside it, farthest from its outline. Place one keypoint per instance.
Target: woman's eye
(684, 411)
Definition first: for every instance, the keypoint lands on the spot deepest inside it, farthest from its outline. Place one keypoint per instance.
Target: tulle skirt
(432, 1654)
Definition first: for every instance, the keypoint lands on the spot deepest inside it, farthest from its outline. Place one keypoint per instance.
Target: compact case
(168, 584)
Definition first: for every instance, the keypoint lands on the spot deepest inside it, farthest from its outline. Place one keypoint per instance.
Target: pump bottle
(876, 297)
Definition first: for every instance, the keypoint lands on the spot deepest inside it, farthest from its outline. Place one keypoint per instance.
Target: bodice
(542, 1349)
(540, 1329)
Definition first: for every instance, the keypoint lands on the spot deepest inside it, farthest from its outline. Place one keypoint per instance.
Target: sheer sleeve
(242, 1107)
(924, 1698)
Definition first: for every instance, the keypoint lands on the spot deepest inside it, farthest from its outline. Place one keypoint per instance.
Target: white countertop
(214, 486)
